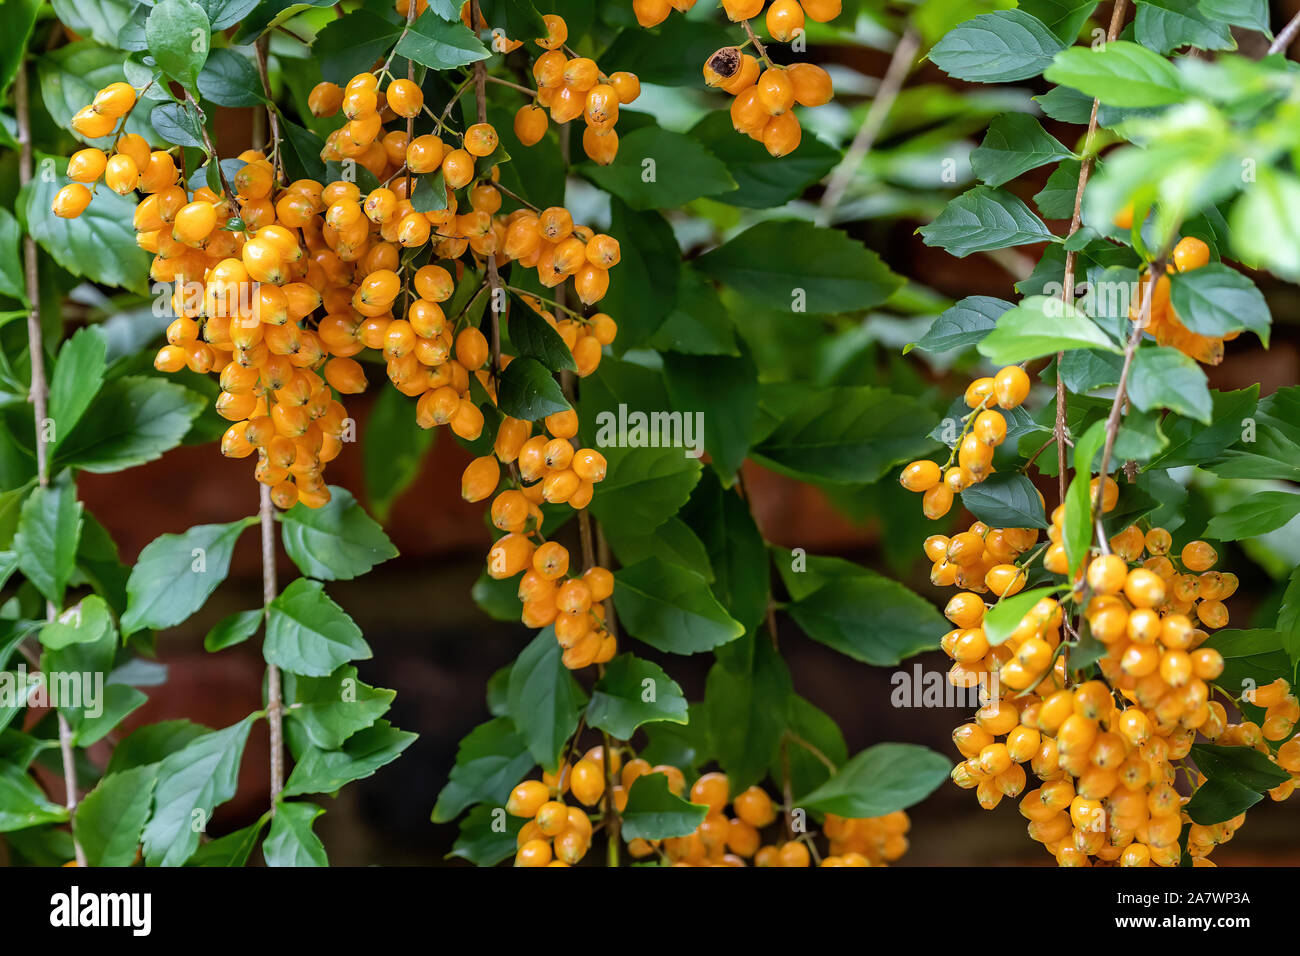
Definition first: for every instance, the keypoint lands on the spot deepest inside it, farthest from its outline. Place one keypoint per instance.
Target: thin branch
(1284, 39)
(900, 64)
(39, 395)
(1071, 258)
(213, 156)
(758, 44)
(274, 700)
(1121, 393)
(513, 86)
(272, 117)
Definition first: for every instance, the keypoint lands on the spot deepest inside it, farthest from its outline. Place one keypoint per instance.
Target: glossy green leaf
(880, 780)
(308, 634)
(544, 689)
(654, 812)
(291, 841)
(362, 754)
(633, 692)
(176, 573)
(336, 542)
(670, 608)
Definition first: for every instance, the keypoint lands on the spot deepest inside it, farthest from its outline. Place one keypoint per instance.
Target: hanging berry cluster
(557, 834)
(1107, 752)
(765, 93)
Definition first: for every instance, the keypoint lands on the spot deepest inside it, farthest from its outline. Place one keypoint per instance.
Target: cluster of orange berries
(1104, 750)
(545, 468)
(253, 269)
(554, 837)
(129, 163)
(764, 98)
(1164, 324)
(571, 87)
(971, 460)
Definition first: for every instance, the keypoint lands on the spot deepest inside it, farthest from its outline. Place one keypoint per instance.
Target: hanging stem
(272, 117)
(274, 700)
(39, 396)
(1071, 258)
(900, 64)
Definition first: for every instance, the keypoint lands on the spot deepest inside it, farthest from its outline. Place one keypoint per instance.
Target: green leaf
(178, 34)
(78, 374)
(723, 390)
(332, 709)
(1121, 73)
(291, 841)
(325, 771)
(670, 608)
(308, 634)
(658, 169)
(668, 56)
(746, 700)
(49, 527)
(1242, 765)
(435, 43)
(176, 573)
(178, 123)
(1166, 25)
(101, 19)
(996, 48)
(1193, 444)
(533, 337)
(1005, 616)
(131, 421)
(12, 282)
(111, 817)
(735, 556)
(1166, 378)
(981, 219)
(1039, 326)
(300, 151)
(1216, 300)
(654, 812)
(1243, 13)
(846, 434)
(1014, 144)
(700, 323)
(519, 17)
(1076, 534)
(762, 181)
(1065, 18)
(192, 781)
(1263, 233)
(119, 701)
(352, 43)
(98, 245)
(22, 802)
(529, 391)
(231, 850)
(643, 290)
(633, 692)
(1262, 512)
(393, 447)
(816, 727)
(226, 13)
(880, 780)
(1005, 500)
(643, 487)
(962, 325)
(233, 629)
(544, 689)
(1288, 619)
(866, 616)
(673, 541)
(86, 622)
(152, 742)
(481, 841)
(230, 79)
(802, 266)
(1218, 800)
(491, 760)
(336, 542)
